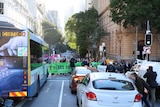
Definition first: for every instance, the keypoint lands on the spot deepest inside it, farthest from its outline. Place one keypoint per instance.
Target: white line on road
(61, 95)
(47, 90)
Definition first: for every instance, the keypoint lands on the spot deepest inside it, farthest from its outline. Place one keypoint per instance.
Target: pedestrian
(151, 80)
(142, 87)
(85, 62)
(72, 64)
(110, 67)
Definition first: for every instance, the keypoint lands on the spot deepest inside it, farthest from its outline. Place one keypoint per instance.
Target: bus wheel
(38, 88)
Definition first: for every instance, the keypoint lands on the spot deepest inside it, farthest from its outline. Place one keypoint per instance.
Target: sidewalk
(157, 104)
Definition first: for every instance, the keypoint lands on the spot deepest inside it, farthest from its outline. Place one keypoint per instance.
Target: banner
(64, 67)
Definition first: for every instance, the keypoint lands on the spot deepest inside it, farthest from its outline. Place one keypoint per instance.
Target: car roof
(108, 75)
(80, 67)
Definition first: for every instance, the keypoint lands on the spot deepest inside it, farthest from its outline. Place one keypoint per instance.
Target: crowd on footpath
(119, 67)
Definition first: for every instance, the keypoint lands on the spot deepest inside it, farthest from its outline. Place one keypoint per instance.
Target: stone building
(121, 43)
(22, 14)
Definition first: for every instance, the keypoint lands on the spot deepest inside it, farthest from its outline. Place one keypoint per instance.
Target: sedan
(104, 89)
(78, 74)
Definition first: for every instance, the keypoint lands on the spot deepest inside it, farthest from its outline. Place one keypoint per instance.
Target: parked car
(78, 74)
(104, 89)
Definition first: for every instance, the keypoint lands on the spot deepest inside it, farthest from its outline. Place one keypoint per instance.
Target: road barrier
(64, 67)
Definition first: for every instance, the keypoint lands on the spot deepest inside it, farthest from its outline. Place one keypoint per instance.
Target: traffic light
(148, 39)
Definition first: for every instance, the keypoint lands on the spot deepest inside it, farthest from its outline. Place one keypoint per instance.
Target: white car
(103, 89)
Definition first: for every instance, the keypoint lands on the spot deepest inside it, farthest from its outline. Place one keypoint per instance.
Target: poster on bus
(10, 42)
(13, 61)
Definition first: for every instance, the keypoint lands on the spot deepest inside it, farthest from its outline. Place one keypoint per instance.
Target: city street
(43, 42)
(55, 93)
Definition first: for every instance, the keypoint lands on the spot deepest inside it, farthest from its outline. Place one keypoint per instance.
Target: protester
(151, 80)
(72, 64)
(110, 67)
(85, 62)
(142, 87)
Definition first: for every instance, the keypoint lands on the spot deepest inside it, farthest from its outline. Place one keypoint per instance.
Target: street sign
(146, 50)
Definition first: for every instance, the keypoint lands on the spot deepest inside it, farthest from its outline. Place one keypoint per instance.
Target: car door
(81, 89)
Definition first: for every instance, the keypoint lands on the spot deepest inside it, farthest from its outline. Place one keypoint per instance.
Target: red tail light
(91, 96)
(75, 79)
(137, 98)
(25, 77)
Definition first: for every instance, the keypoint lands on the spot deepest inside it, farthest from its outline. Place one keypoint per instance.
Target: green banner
(95, 64)
(64, 67)
(60, 67)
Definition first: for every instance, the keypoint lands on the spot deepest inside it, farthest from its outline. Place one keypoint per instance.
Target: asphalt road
(55, 93)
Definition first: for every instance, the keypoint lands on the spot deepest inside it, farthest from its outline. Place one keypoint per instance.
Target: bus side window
(33, 59)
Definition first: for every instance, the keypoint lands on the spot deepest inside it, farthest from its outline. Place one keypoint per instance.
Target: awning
(5, 26)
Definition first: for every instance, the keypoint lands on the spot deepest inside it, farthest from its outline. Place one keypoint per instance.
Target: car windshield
(108, 84)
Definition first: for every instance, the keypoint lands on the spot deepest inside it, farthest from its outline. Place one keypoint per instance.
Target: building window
(1, 8)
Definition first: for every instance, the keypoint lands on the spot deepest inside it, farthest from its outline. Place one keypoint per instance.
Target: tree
(136, 12)
(84, 29)
(53, 37)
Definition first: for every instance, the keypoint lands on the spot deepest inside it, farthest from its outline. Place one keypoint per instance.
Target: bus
(23, 64)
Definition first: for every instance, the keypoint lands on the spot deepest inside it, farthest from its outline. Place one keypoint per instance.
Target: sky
(61, 6)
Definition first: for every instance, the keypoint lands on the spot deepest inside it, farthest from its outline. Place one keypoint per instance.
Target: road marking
(47, 90)
(61, 95)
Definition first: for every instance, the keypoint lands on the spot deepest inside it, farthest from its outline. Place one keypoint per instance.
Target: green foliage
(53, 37)
(83, 30)
(136, 12)
(51, 33)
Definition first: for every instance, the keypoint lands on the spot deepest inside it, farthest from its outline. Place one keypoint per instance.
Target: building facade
(23, 14)
(16, 12)
(121, 43)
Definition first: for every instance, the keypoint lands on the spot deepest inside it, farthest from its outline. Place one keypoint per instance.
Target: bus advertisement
(23, 64)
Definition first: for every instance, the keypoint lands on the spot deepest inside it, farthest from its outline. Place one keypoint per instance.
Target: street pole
(147, 32)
